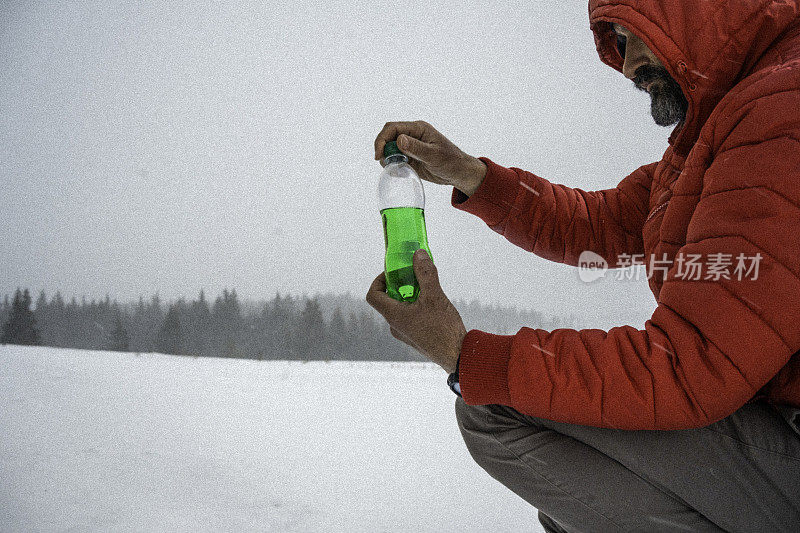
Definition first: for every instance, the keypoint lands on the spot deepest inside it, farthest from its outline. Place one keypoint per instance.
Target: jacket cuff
(483, 368)
(494, 197)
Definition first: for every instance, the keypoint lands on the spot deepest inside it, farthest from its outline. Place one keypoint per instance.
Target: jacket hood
(706, 46)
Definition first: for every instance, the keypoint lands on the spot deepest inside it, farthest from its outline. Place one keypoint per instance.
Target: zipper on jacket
(656, 210)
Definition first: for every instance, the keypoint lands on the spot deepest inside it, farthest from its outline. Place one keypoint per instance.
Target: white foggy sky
(171, 146)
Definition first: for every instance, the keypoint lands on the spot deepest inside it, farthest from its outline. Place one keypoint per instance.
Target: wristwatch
(452, 380)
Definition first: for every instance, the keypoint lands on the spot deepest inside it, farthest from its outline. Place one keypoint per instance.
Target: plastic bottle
(402, 207)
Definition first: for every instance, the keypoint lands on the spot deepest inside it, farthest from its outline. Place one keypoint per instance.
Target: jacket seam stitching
(737, 106)
(690, 394)
(720, 350)
(764, 321)
(751, 187)
(748, 241)
(786, 135)
(633, 233)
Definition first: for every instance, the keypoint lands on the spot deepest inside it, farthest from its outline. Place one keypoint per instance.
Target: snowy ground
(99, 441)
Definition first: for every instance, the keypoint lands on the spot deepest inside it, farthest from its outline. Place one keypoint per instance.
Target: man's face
(667, 103)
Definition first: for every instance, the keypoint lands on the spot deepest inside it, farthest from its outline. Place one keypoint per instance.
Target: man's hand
(431, 324)
(432, 155)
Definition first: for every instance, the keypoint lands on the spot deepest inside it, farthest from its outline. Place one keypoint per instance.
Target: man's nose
(635, 57)
(632, 64)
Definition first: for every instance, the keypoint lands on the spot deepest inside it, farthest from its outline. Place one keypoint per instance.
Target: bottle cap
(391, 149)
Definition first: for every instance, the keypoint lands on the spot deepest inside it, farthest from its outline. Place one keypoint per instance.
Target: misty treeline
(323, 327)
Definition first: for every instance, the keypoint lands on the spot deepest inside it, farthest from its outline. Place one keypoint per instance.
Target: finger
(422, 151)
(391, 130)
(379, 300)
(424, 173)
(426, 273)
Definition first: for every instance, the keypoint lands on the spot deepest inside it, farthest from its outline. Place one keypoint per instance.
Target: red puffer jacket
(729, 183)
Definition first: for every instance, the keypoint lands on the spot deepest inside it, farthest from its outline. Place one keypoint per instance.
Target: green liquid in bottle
(403, 233)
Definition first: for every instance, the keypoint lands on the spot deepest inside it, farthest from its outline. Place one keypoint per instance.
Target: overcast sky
(171, 146)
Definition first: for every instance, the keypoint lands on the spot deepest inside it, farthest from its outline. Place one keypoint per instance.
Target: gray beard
(668, 106)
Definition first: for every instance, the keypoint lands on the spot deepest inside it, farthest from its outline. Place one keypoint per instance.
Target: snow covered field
(101, 441)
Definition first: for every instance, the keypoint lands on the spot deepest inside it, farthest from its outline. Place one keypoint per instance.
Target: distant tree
(57, 301)
(43, 313)
(261, 333)
(119, 337)
(170, 337)
(21, 325)
(278, 327)
(5, 310)
(72, 324)
(353, 333)
(58, 316)
(367, 334)
(338, 338)
(310, 335)
(227, 323)
(145, 324)
(41, 303)
(197, 327)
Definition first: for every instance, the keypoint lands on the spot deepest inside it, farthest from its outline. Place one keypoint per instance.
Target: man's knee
(474, 429)
(483, 428)
(467, 416)
(473, 420)
(492, 433)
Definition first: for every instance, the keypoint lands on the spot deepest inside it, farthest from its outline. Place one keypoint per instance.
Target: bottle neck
(395, 158)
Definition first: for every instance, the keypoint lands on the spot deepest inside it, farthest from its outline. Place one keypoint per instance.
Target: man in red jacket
(693, 421)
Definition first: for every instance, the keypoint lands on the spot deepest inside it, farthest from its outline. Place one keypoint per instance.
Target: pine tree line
(20, 327)
(284, 327)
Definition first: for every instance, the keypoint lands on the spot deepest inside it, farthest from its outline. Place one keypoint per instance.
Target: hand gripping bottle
(402, 205)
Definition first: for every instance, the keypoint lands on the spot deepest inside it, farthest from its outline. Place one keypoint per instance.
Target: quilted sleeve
(558, 222)
(711, 344)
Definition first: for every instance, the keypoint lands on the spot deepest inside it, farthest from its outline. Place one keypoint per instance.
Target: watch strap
(452, 380)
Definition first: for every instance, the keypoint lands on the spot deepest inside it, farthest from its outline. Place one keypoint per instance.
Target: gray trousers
(741, 473)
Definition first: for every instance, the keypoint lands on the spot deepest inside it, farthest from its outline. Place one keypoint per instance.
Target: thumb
(426, 272)
(415, 148)
(378, 299)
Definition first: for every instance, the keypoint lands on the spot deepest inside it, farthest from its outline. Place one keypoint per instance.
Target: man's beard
(667, 103)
